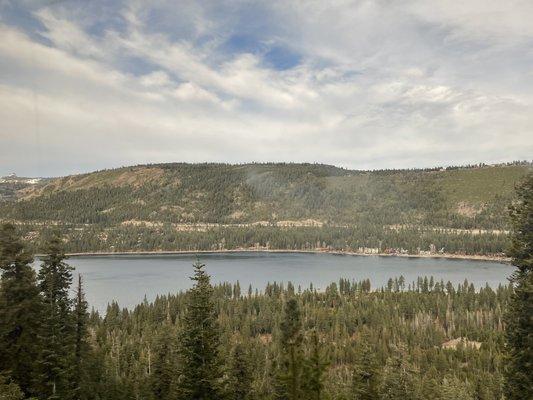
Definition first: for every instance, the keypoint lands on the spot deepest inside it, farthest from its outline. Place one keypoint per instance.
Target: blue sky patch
(282, 58)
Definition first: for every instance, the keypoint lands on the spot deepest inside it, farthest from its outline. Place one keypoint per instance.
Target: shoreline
(473, 257)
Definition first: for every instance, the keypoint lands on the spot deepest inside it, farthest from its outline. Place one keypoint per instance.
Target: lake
(128, 278)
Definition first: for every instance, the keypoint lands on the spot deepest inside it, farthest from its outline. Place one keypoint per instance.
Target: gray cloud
(379, 84)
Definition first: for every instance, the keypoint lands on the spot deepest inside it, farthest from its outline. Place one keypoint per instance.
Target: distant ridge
(420, 169)
(179, 199)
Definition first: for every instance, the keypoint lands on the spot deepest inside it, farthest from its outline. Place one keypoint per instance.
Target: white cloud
(495, 20)
(378, 85)
(155, 78)
(68, 36)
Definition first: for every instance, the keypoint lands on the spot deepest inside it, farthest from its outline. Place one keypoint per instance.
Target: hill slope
(183, 197)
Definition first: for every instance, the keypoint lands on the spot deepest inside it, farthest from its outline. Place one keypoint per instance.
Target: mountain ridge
(168, 204)
(468, 189)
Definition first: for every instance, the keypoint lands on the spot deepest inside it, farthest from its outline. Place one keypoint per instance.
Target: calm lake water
(127, 279)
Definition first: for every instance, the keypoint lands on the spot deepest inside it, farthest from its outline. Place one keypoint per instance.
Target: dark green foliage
(240, 375)
(289, 385)
(58, 330)
(164, 370)
(365, 378)
(199, 341)
(20, 311)
(80, 375)
(356, 329)
(519, 319)
(326, 238)
(314, 370)
(399, 378)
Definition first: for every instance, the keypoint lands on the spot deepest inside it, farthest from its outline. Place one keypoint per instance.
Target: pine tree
(288, 385)
(519, 332)
(57, 331)
(81, 349)
(20, 311)
(201, 373)
(164, 369)
(314, 370)
(454, 389)
(240, 382)
(398, 378)
(365, 376)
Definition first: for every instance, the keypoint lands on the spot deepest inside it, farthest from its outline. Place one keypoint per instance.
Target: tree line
(411, 240)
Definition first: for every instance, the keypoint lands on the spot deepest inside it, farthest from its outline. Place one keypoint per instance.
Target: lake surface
(127, 279)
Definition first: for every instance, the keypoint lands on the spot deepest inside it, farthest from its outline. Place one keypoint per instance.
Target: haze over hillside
(149, 202)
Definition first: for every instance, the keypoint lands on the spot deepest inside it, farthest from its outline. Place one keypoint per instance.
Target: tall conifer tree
(201, 372)
(289, 380)
(399, 378)
(314, 369)
(240, 382)
(164, 369)
(365, 378)
(519, 319)
(81, 345)
(57, 331)
(20, 311)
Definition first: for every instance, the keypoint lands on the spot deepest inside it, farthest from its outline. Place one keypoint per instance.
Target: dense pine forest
(408, 340)
(460, 210)
(412, 339)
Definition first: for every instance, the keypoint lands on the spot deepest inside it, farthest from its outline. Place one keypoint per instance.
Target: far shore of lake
(495, 258)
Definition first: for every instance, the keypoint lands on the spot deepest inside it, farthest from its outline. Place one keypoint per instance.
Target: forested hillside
(303, 206)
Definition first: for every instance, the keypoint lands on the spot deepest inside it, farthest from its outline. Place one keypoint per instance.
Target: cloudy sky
(360, 84)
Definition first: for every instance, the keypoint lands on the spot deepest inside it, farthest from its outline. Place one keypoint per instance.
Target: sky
(88, 85)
